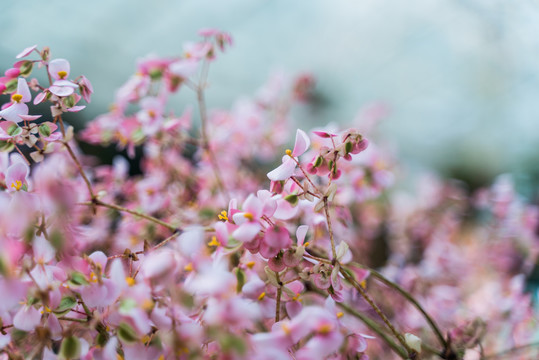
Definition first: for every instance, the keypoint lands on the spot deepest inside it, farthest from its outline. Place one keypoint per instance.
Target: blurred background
(461, 77)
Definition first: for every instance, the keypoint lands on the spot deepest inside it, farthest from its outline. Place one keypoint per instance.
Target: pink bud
(12, 73)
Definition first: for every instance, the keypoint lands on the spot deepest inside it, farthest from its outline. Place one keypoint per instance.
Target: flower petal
(24, 90)
(25, 52)
(302, 143)
(284, 171)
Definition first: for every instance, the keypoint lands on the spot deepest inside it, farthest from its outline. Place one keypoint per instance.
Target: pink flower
(287, 168)
(16, 177)
(18, 108)
(59, 70)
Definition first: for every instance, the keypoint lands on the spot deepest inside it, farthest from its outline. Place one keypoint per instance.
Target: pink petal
(324, 134)
(24, 90)
(26, 52)
(184, 68)
(301, 232)
(61, 91)
(302, 143)
(29, 117)
(246, 232)
(284, 171)
(57, 65)
(12, 113)
(27, 318)
(285, 210)
(40, 97)
(76, 108)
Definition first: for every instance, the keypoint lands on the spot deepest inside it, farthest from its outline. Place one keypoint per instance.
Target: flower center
(17, 184)
(16, 97)
(223, 216)
(325, 329)
(249, 216)
(62, 74)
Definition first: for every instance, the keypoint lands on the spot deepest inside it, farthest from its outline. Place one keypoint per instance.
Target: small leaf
(348, 146)
(317, 161)
(6, 146)
(11, 85)
(14, 130)
(292, 199)
(126, 333)
(78, 278)
(45, 130)
(241, 279)
(70, 348)
(26, 68)
(67, 303)
(319, 205)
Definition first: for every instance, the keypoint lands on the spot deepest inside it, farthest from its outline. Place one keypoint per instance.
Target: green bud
(292, 199)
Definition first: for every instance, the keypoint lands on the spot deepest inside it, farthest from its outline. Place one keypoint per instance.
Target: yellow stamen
(250, 264)
(147, 305)
(249, 216)
(306, 244)
(93, 277)
(130, 281)
(188, 267)
(363, 284)
(223, 216)
(162, 357)
(62, 74)
(214, 242)
(145, 339)
(296, 297)
(325, 329)
(261, 296)
(16, 97)
(340, 314)
(119, 357)
(17, 184)
(288, 152)
(286, 329)
(151, 113)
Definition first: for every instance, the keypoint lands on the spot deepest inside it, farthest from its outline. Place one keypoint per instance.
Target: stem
(328, 218)
(79, 167)
(378, 311)
(371, 324)
(73, 319)
(509, 351)
(414, 302)
(204, 130)
(98, 202)
(279, 293)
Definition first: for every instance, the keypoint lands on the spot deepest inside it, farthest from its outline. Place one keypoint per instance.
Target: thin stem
(509, 351)
(370, 324)
(162, 243)
(98, 202)
(378, 311)
(414, 302)
(79, 167)
(279, 293)
(204, 130)
(73, 319)
(328, 218)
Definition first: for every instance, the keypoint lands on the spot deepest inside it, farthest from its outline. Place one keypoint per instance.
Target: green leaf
(155, 74)
(78, 278)
(26, 68)
(45, 130)
(70, 348)
(14, 130)
(241, 279)
(66, 304)
(317, 161)
(348, 146)
(11, 85)
(126, 333)
(6, 146)
(292, 199)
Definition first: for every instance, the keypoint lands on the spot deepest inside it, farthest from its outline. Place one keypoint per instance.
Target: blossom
(59, 71)
(287, 168)
(16, 111)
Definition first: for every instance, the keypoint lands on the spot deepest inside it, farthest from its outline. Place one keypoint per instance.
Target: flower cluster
(215, 251)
